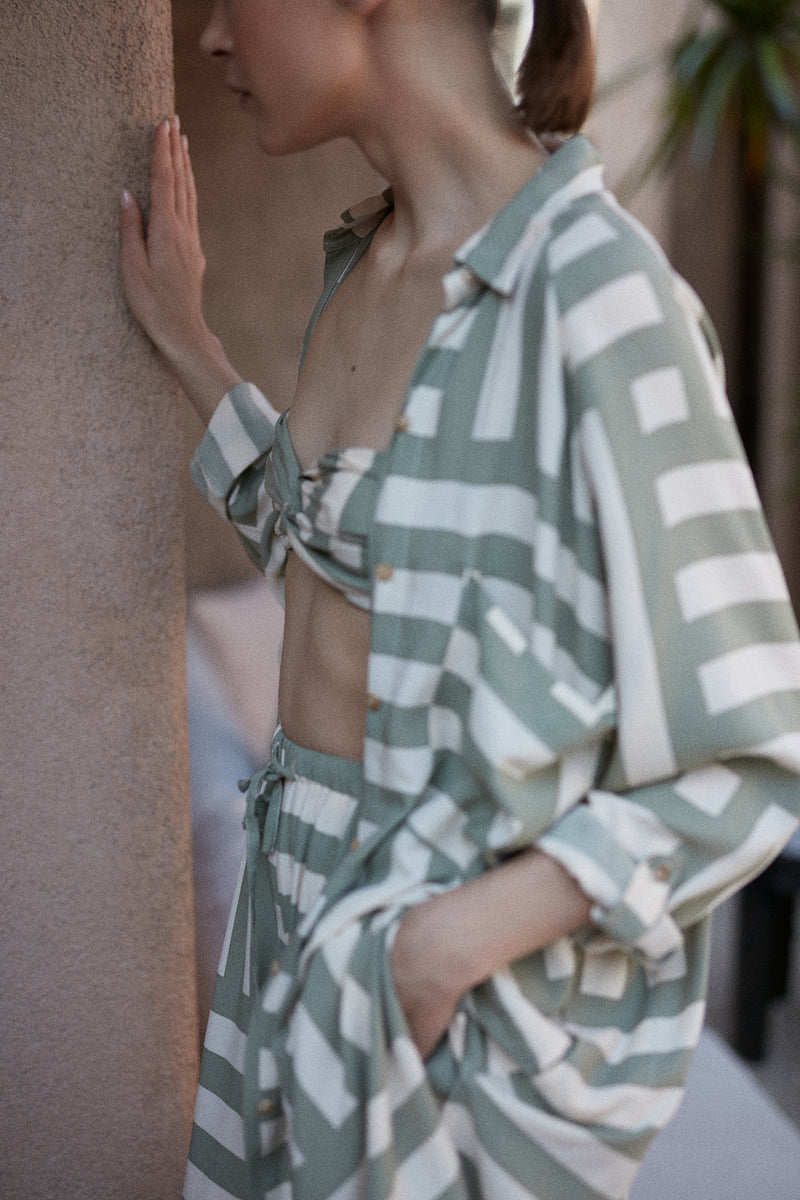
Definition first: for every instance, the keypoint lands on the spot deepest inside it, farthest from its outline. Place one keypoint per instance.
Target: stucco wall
(97, 1009)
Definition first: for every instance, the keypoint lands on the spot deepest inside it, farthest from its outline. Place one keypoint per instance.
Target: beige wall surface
(97, 1009)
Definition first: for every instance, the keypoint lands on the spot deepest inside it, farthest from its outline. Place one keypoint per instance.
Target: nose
(215, 40)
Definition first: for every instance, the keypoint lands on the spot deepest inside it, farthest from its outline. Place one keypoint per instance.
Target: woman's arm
(458, 939)
(162, 273)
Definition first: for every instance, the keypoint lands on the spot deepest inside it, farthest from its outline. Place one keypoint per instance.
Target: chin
(281, 134)
(279, 143)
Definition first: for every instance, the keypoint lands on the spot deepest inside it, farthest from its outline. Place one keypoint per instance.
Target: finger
(133, 251)
(180, 164)
(191, 187)
(178, 167)
(162, 175)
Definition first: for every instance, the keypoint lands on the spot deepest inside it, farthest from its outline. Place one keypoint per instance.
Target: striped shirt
(581, 636)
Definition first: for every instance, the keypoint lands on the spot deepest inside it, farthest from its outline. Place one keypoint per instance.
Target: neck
(436, 121)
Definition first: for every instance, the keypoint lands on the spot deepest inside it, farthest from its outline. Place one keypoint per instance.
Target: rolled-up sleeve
(228, 471)
(701, 790)
(679, 781)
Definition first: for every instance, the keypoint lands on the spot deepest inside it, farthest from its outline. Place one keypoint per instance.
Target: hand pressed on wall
(163, 268)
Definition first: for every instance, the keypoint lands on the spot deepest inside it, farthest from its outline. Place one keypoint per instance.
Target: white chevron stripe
(221, 1121)
(644, 735)
(610, 313)
(318, 1069)
(748, 674)
(717, 583)
(705, 489)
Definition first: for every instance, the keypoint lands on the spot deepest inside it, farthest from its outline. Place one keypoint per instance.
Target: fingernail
(176, 121)
(126, 199)
(185, 141)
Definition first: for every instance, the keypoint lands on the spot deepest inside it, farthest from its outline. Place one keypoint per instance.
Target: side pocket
(440, 1067)
(525, 1037)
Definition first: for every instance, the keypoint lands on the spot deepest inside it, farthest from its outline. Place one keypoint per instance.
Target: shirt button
(265, 1108)
(373, 703)
(662, 874)
(384, 572)
(274, 968)
(402, 424)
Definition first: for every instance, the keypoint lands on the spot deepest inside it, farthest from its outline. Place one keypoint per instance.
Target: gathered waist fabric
(326, 511)
(298, 797)
(340, 774)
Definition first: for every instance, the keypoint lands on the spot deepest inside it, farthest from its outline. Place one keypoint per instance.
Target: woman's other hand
(425, 987)
(162, 272)
(457, 939)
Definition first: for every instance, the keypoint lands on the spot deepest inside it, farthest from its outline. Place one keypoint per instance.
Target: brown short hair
(557, 76)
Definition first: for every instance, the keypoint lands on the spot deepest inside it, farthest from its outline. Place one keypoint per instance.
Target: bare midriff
(355, 376)
(322, 693)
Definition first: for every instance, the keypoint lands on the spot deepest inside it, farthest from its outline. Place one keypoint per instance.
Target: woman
(538, 694)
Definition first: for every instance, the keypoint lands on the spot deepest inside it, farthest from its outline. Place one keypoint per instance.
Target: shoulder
(618, 300)
(593, 244)
(566, 233)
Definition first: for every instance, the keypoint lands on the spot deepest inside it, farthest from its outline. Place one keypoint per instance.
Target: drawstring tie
(264, 796)
(264, 792)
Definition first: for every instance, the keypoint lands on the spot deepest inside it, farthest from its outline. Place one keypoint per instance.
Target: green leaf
(779, 88)
(721, 96)
(693, 53)
(756, 17)
(745, 68)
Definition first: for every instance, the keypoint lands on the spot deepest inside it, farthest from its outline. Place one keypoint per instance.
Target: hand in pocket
(427, 991)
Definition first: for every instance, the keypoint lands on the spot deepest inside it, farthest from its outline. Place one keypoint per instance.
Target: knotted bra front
(327, 510)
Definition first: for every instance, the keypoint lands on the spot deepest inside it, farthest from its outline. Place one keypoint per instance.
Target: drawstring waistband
(264, 797)
(263, 805)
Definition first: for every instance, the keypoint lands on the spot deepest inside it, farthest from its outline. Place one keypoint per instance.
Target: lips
(242, 94)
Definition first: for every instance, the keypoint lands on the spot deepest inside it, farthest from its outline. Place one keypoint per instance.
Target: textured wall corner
(97, 1010)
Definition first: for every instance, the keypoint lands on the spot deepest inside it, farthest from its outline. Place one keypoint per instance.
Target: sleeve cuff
(240, 432)
(631, 894)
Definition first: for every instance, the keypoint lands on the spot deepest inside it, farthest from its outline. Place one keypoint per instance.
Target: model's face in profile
(287, 61)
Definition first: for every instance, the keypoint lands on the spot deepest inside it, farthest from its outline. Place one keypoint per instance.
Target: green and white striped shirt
(581, 635)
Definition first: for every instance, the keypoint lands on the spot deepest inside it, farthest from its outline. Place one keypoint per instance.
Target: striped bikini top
(326, 511)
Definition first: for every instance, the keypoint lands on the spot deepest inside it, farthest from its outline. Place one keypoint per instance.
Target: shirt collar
(497, 252)
(494, 256)
(362, 219)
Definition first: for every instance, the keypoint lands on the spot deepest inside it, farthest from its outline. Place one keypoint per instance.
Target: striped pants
(311, 1087)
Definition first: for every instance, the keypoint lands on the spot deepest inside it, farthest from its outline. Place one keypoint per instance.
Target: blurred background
(116, 891)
